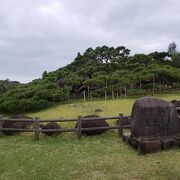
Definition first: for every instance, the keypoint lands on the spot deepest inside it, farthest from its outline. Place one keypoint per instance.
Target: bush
(135, 92)
(51, 95)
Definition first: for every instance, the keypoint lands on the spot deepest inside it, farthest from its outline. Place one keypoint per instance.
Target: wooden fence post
(1, 133)
(79, 122)
(120, 125)
(36, 121)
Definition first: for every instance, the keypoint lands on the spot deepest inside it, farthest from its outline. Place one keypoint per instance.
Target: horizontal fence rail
(17, 129)
(18, 120)
(59, 130)
(79, 129)
(57, 120)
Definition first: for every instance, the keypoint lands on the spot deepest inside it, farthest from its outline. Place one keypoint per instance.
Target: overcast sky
(39, 35)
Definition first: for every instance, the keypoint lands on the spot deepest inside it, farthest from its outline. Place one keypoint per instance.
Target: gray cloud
(38, 35)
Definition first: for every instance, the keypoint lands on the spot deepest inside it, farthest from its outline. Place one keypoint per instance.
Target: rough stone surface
(155, 125)
(168, 143)
(1, 133)
(10, 124)
(177, 105)
(154, 117)
(93, 123)
(133, 142)
(51, 125)
(177, 138)
(98, 110)
(149, 146)
(176, 102)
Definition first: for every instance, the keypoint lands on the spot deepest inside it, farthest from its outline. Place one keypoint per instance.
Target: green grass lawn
(99, 157)
(109, 107)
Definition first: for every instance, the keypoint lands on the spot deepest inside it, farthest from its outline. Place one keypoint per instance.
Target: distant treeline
(100, 72)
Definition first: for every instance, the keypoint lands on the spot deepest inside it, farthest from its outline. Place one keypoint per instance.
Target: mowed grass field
(98, 157)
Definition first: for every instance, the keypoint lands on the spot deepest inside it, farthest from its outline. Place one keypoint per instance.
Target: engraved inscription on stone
(154, 117)
(160, 120)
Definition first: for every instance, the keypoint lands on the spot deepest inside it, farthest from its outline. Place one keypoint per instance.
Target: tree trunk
(125, 92)
(117, 95)
(112, 92)
(160, 87)
(105, 95)
(163, 84)
(120, 93)
(84, 95)
(153, 85)
(68, 95)
(88, 93)
(131, 86)
(91, 96)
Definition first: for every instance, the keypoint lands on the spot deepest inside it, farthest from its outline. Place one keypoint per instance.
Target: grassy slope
(98, 157)
(109, 107)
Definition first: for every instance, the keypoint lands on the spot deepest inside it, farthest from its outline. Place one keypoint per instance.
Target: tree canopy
(97, 72)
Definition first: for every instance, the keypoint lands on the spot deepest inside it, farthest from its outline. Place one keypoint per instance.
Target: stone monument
(155, 125)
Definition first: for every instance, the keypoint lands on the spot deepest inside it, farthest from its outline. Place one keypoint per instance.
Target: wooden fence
(37, 130)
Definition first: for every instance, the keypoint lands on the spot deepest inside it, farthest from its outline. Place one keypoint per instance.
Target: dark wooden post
(1, 133)
(79, 122)
(36, 121)
(120, 125)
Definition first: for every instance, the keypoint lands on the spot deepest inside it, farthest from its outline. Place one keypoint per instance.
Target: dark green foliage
(176, 60)
(7, 84)
(103, 71)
